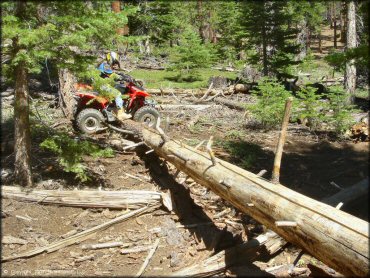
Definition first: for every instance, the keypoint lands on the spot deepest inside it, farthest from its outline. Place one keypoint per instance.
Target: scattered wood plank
(136, 249)
(13, 240)
(147, 260)
(247, 251)
(85, 198)
(77, 238)
(104, 245)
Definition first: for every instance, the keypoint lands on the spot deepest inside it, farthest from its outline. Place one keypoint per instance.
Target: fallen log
(338, 239)
(349, 194)
(132, 199)
(268, 241)
(231, 104)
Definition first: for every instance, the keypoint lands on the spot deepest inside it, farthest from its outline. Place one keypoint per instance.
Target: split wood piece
(85, 198)
(207, 92)
(231, 104)
(104, 245)
(120, 130)
(168, 91)
(209, 149)
(279, 148)
(218, 92)
(146, 262)
(197, 107)
(323, 231)
(136, 249)
(78, 237)
(262, 172)
(133, 146)
(13, 240)
(247, 251)
(160, 130)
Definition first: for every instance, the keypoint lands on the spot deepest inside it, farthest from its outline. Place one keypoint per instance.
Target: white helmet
(112, 57)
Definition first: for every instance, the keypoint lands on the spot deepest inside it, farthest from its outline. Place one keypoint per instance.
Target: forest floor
(310, 163)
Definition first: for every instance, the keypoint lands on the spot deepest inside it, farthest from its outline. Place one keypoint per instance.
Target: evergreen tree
(190, 54)
(61, 31)
(271, 33)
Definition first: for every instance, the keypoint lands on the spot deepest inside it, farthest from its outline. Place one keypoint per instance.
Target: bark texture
(22, 140)
(66, 92)
(350, 75)
(338, 239)
(22, 134)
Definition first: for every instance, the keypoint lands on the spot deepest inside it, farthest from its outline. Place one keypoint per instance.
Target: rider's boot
(122, 115)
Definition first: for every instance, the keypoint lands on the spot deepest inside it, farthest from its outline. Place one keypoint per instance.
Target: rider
(106, 68)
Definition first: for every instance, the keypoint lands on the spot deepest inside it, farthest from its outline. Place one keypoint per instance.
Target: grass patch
(165, 79)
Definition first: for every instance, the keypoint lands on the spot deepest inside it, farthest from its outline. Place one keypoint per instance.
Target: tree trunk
(116, 7)
(350, 74)
(308, 37)
(320, 40)
(22, 140)
(264, 50)
(343, 22)
(336, 238)
(22, 134)
(335, 24)
(66, 92)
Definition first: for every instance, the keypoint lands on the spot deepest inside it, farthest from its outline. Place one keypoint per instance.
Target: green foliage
(310, 107)
(269, 108)
(167, 79)
(270, 29)
(190, 55)
(359, 54)
(104, 86)
(340, 118)
(64, 32)
(70, 153)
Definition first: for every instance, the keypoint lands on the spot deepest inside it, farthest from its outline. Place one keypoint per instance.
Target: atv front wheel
(147, 115)
(89, 120)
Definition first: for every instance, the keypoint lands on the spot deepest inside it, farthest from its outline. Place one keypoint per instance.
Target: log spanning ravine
(337, 238)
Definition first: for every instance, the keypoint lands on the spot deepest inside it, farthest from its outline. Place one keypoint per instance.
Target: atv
(92, 110)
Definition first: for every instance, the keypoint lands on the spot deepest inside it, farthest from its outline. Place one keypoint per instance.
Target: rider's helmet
(112, 58)
(105, 69)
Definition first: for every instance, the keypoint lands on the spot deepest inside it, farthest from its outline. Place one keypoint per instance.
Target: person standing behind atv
(106, 69)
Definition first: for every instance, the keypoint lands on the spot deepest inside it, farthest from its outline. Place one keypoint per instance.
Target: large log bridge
(336, 238)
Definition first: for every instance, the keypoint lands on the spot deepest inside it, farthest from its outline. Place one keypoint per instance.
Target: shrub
(340, 118)
(310, 108)
(269, 108)
(70, 152)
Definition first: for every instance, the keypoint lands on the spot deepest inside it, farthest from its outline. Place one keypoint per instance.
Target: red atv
(92, 110)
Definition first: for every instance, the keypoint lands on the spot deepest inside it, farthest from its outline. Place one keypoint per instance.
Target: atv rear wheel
(89, 120)
(147, 115)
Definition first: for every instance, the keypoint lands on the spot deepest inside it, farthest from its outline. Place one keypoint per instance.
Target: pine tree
(190, 54)
(64, 32)
(271, 33)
